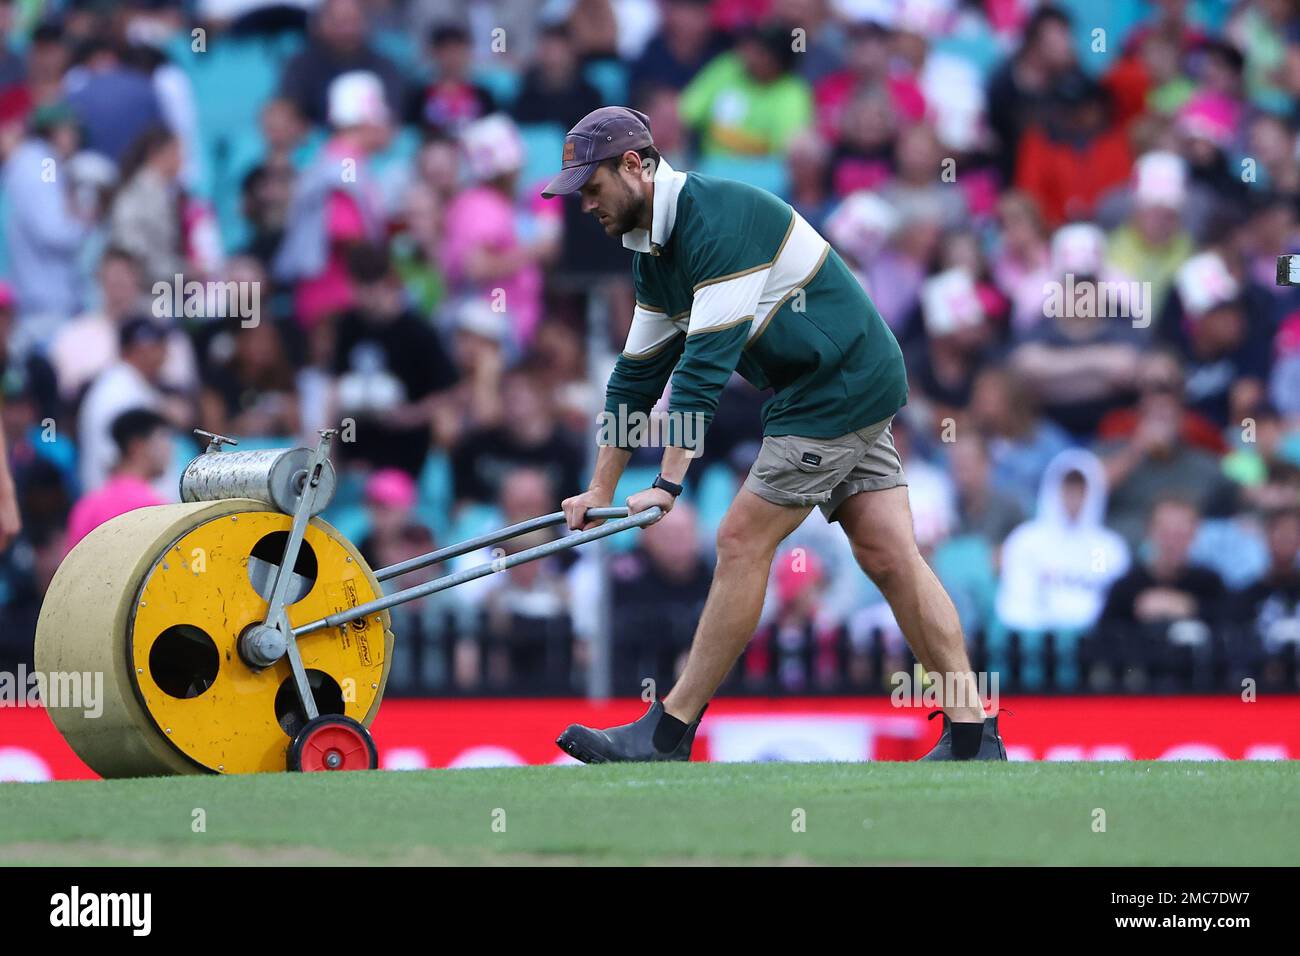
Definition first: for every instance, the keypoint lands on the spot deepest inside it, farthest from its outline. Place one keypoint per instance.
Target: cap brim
(569, 180)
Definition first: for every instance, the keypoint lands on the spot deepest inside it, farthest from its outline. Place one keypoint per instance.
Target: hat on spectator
(356, 98)
(862, 224)
(950, 303)
(1209, 116)
(1078, 249)
(797, 570)
(1160, 179)
(492, 147)
(478, 317)
(391, 487)
(1204, 283)
(602, 134)
(47, 117)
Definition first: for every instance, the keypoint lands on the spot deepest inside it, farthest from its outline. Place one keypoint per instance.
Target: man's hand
(650, 498)
(11, 522)
(575, 508)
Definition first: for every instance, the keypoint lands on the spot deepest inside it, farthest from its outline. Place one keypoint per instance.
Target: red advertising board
(462, 733)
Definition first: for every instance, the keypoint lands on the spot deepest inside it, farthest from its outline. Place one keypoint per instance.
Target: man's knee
(738, 541)
(886, 562)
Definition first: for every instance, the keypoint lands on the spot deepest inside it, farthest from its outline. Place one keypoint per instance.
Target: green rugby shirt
(731, 278)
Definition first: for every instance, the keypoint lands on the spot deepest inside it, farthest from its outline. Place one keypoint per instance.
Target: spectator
(339, 45)
(920, 192)
(1079, 362)
(1069, 158)
(248, 384)
(335, 203)
(483, 253)
(133, 381)
(1020, 441)
(1022, 266)
(685, 42)
(1058, 567)
(1152, 244)
(452, 100)
(114, 102)
(1139, 624)
(44, 230)
(146, 214)
(984, 508)
(658, 592)
(528, 437)
(1223, 343)
(391, 365)
(749, 101)
(527, 625)
(1153, 462)
(144, 447)
(1270, 608)
(554, 91)
(868, 67)
(1022, 90)
(391, 497)
(1161, 374)
(265, 193)
(798, 650)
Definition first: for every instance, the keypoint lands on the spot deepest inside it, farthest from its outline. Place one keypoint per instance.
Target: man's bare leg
(747, 541)
(879, 525)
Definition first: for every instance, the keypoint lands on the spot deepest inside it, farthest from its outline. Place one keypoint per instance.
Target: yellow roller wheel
(155, 601)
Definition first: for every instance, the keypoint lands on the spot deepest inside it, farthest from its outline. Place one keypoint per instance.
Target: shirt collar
(668, 183)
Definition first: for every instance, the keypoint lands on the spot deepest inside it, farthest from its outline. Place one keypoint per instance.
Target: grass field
(878, 813)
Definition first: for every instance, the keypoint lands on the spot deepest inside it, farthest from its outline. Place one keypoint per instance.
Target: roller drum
(274, 476)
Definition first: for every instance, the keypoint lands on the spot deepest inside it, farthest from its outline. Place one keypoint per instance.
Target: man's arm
(654, 345)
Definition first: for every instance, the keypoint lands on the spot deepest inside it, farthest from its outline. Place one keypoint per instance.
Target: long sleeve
(654, 344)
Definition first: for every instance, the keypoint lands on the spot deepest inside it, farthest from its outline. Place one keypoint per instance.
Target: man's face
(1173, 527)
(615, 196)
(158, 452)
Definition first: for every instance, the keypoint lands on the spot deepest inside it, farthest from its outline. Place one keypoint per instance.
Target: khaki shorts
(799, 472)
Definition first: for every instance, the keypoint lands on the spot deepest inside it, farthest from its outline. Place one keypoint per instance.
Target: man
(133, 381)
(729, 278)
(144, 443)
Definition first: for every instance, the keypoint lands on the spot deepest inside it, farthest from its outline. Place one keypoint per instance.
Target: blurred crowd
(263, 219)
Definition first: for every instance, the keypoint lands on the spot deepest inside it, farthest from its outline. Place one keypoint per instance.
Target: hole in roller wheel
(288, 709)
(264, 562)
(183, 661)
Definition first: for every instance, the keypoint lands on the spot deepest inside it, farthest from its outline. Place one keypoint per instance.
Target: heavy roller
(237, 632)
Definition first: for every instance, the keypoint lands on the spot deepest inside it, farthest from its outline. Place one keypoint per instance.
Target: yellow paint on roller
(135, 579)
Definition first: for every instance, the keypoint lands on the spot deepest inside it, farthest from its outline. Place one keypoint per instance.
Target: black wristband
(671, 487)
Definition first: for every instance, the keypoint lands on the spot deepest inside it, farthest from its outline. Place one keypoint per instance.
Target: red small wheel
(333, 742)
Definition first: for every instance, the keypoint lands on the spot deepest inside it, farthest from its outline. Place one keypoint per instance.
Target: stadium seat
(502, 83)
(543, 146)
(610, 78)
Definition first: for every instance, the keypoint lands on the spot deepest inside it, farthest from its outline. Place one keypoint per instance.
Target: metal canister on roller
(272, 475)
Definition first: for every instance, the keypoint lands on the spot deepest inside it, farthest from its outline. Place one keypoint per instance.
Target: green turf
(1030, 813)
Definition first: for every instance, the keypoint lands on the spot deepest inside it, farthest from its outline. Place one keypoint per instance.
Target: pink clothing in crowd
(331, 291)
(483, 218)
(117, 496)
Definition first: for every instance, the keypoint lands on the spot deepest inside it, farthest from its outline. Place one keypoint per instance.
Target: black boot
(634, 742)
(990, 747)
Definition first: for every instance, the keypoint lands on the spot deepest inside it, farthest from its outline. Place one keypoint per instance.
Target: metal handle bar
(493, 537)
(639, 520)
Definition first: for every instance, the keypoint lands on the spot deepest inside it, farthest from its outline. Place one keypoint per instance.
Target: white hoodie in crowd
(1056, 571)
